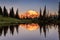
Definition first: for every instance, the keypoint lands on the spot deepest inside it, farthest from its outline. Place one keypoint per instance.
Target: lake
(30, 31)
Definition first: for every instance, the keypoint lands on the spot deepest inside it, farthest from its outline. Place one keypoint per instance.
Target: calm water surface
(31, 31)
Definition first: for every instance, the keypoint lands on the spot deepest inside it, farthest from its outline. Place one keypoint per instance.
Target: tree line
(5, 13)
(11, 14)
(45, 17)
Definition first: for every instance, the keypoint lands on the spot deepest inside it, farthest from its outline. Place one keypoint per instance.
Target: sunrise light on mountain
(29, 14)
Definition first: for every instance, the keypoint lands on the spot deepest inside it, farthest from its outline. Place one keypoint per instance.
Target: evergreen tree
(17, 15)
(59, 11)
(12, 12)
(44, 12)
(1, 11)
(40, 13)
(5, 12)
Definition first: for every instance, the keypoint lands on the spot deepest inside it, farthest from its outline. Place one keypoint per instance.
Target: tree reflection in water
(43, 27)
(4, 29)
(59, 30)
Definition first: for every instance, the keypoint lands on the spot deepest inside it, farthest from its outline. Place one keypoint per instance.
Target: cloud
(29, 14)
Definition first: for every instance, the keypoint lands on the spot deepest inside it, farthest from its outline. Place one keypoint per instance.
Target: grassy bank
(9, 21)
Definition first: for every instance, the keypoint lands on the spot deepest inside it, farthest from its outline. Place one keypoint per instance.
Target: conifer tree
(40, 13)
(1, 11)
(5, 12)
(12, 13)
(44, 12)
(59, 11)
(17, 15)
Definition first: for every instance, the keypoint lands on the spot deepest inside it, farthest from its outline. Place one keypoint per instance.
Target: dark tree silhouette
(5, 30)
(44, 12)
(59, 11)
(1, 31)
(16, 26)
(5, 12)
(12, 29)
(42, 26)
(12, 12)
(59, 30)
(1, 11)
(40, 13)
(17, 15)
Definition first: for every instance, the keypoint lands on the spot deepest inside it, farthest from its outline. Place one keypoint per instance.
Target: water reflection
(59, 30)
(30, 27)
(4, 29)
(43, 28)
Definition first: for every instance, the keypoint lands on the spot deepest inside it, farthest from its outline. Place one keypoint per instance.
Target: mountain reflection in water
(30, 27)
(43, 28)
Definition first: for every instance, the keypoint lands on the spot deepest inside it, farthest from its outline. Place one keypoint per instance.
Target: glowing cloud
(29, 14)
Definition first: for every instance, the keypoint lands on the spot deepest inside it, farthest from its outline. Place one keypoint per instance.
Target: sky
(25, 5)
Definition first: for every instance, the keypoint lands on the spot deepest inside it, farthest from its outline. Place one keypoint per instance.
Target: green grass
(8, 21)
